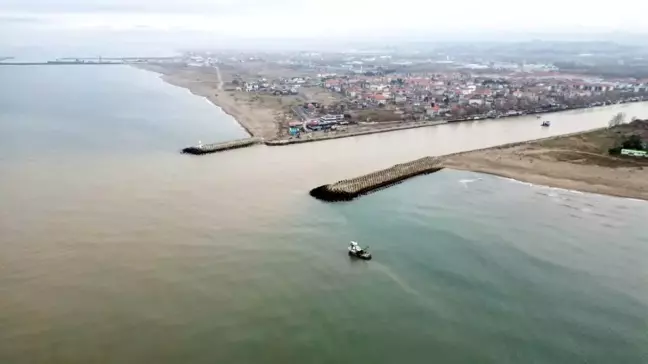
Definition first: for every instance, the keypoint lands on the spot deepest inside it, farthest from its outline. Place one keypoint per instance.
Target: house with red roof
(379, 98)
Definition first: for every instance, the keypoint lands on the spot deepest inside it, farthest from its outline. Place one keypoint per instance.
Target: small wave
(566, 190)
(518, 182)
(634, 199)
(548, 194)
(576, 192)
(570, 206)
(610, 225)
(465, 182)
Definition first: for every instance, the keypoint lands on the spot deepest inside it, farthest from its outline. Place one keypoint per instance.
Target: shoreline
(281, 142)
(261, 122)
(528, 161)
(577, 162)
(213, 100)
(552, 182)
(567, 161)
(208, 86)
(423, 124)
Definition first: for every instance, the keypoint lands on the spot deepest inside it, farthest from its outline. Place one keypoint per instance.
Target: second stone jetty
(349, 189)
(219, 147)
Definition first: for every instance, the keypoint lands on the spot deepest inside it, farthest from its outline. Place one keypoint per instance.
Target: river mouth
(117, 248)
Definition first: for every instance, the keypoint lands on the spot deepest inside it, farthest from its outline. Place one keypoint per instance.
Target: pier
(85, 61)
(220, 147)
(61, 63)
(349, 189)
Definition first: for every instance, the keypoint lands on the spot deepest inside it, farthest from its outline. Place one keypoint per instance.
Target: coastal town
(292, 97)
(453, 96)
(312, 96)
(323, 182)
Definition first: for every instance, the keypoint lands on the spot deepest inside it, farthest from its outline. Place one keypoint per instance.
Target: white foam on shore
(575, 192)
(542, 187)
(634, 199)
(565, 190)
(518, 182)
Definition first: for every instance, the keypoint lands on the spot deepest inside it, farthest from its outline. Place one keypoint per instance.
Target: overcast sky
(36, 20)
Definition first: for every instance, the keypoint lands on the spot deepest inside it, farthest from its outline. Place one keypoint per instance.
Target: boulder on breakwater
(349, 189)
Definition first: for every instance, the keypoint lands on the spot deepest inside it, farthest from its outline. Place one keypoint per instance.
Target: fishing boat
(546, 123)
(356, 251)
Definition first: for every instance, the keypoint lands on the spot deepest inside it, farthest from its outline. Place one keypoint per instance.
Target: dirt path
(220, 78)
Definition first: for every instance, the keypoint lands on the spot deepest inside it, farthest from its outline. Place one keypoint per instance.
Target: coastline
(534, 161)
(577, 161)
(262, 121)
(582, 179)
(212, 90)
(333, 135)
(561, 183)
(209, 85)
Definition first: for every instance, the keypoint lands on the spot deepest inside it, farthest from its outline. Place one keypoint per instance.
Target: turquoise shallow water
(114, 248)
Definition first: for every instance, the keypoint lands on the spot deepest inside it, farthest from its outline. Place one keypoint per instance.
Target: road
(220, 78)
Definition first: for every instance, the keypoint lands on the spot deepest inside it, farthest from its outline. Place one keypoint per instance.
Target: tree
(617, 120)
(633, 142)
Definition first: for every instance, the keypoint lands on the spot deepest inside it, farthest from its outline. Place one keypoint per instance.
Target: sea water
(115, 248)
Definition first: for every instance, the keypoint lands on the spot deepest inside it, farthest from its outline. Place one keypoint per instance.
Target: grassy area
(594, 142)
(376, 115)
(593, 147)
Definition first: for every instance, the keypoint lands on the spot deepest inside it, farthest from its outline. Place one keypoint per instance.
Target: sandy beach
(266, 116)
(576, 162)
(259, 121)
(262, 116)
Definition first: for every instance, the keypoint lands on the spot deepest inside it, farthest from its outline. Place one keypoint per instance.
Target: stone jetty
(219, 147)
(349, 189)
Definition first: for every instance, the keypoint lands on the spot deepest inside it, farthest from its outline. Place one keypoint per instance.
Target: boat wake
(394, 277)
